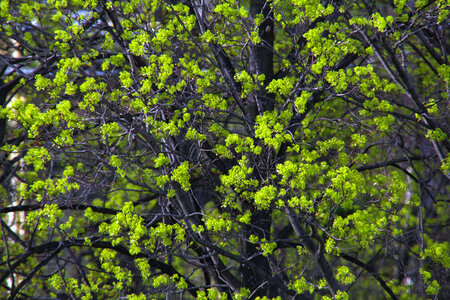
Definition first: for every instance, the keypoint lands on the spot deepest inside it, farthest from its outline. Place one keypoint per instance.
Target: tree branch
(372, 271)
(315, 252)
(390, 162)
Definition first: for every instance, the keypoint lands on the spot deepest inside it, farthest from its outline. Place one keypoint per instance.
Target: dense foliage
(224, 149)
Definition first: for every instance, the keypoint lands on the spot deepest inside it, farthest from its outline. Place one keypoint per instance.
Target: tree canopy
(220, 149)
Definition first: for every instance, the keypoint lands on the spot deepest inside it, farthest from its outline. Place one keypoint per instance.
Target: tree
(285, 148)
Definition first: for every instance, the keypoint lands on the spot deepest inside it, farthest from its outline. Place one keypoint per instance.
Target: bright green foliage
(271, 128)
(181, 175)
(45, 218)
(344, 275)
(300, 285)
(224, 149)
(37, 157)
(265, 196)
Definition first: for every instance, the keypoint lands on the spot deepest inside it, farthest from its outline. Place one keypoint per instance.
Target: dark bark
(315, 252)
(260, 63)
(261, 56)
